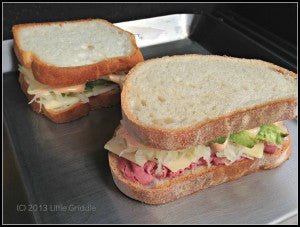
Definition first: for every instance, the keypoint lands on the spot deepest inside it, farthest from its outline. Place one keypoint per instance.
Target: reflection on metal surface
(159, 30)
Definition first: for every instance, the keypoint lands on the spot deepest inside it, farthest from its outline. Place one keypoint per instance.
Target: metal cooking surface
(64, 165)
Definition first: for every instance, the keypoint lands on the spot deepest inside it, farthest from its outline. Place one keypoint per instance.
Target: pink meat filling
(147, 174)
(270, 148)
(134, 172)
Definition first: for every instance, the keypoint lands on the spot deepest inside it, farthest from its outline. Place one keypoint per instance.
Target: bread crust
(75, 111)
(203, 132)
(201, 179)
(66, 76)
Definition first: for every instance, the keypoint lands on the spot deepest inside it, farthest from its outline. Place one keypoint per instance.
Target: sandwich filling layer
(60, 98)
(147, 165)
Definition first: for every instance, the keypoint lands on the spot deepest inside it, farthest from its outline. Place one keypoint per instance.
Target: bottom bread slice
(75, 111)
(201, 178)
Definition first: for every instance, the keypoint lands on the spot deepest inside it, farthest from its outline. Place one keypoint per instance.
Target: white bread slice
(74, 111)
(73, 52)
(200, 179)
(182, 101)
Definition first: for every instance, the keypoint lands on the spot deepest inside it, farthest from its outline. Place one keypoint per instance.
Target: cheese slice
(53, 98)
(173, 160)
(184, 158)
(51, 102)
(234, 152)
(35, 87)
(257, 151)
(118, 146)
(124, 145)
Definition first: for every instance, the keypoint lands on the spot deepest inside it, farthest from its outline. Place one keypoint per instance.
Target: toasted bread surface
(55, 75)
(154, 112)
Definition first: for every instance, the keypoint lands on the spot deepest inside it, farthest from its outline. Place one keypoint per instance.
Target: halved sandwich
(193, 121)
(68, 68)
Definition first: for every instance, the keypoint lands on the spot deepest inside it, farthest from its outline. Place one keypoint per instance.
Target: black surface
(277, 18)
(223, 37)
(114, 12)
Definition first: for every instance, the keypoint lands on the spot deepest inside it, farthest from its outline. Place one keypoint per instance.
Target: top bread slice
(74, 52)
(177, 102)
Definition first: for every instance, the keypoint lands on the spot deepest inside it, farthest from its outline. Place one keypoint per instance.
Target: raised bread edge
(66, 76)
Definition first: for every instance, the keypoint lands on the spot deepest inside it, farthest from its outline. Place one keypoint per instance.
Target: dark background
(276, 20)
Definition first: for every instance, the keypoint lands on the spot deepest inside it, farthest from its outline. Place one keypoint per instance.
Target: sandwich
(69, 68)
(191, 122)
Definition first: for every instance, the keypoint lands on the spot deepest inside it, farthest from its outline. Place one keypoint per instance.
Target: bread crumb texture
(75, 44)
(177, 92)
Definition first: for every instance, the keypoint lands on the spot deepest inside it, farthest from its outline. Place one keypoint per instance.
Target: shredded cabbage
(34, 99)
(47, 97)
